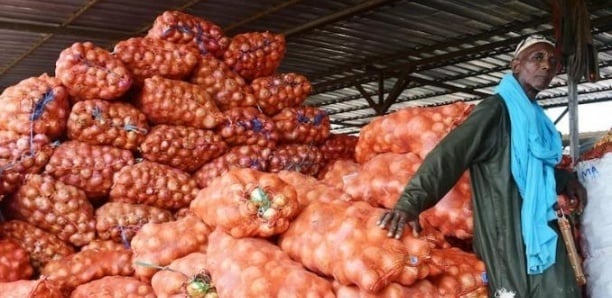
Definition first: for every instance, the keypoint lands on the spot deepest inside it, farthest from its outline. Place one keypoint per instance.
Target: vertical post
(572, 105)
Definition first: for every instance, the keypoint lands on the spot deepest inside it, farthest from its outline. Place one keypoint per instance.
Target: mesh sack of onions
(146, 57)
(309, 189)
(276, 92)
(339, 172)
(91, 72)
(456, 273)
(185, 277)
(98, 244)
(255, 54)
(248, 126)
(36, 105)
(181, 28)
(339, 146)
(120, 221)
(41, 287)
(15, 261)
(306, 125)
(119, 286)
(301, 158)
(421, 289)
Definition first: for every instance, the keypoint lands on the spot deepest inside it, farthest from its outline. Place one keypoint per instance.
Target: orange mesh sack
(248, 126)
(85, 266)
(280, 91)
(55, 207)
(251, 267)
(174, 102)
(37, 105)
(90, 72)
(15, 261)
(456, 273)
(158, 244)
(114, 286)
(20, 155)
(420, 289)
(153, 184)
(255, 54)
(98, 244)
(120, 221)
(339, 146)
(146, 57)
(227, 88)
(247, 156)
(452, 215)
(41, 288)
(88, 167)
(100, 122)
(247, 202)
(415, 130)
(303, 124)
(182, 147)
(381, 180)
(41, 246)
(181, 28)
(309, 189)
(339, 172)
(184, 277)
(301, 158)
(341, 240)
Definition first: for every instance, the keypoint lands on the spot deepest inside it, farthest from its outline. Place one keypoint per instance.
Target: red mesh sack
(303, 124)
(296, 157)
(114, 286)
(98, 244)
(85, 266)
(248, 126)
(255, 54)
(286, 90)
(37, 105)
(41, 288)
(120, 221)
(174, 102)
(153, 184)
(415, 130)
(247, 202)
(88, 167)
(146, 57)
(455, 272)
(41, 246)
(420, 289)
(248, 156)
(100, 122)
(56, 207)
(309, 189)
(91, 72)
(181, 28)
(158, 244)
(182, 147)
(226, 87)
(342, 240)
(184, 277)
(339, 146)
(20, 155)
(339, 172)
(251, 267)
(15, 261)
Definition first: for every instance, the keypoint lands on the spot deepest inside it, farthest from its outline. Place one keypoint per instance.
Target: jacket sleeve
(468, 143)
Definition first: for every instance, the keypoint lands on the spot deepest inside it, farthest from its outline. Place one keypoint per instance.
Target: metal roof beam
(261, 14)
(47, 28)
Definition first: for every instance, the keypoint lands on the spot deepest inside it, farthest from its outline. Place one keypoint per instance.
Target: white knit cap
(529, 41)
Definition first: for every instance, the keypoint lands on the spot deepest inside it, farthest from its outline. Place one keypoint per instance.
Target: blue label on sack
(589, 173)
(484, 278)
(414, 260)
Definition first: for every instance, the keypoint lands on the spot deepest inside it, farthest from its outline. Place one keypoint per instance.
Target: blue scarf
(535, 150)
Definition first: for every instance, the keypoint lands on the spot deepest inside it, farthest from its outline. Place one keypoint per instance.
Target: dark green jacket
(482, 145)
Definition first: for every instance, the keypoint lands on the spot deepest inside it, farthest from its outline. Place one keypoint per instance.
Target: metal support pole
(572, 105)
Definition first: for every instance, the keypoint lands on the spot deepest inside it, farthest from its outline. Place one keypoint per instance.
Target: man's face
(535, 67)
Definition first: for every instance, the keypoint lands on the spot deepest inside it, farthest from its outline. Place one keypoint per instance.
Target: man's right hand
(395, 220)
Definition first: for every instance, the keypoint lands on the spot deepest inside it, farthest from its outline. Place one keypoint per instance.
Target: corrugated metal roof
(427, 52)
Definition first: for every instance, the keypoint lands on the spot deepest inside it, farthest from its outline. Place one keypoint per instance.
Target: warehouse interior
(364, 58)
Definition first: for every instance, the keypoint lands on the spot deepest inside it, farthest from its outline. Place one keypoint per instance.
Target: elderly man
(511, 148)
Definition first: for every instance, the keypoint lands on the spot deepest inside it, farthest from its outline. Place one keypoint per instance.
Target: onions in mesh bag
(248, 126)
(339, 172)
(100, 122)
(280, 91)
(185, 148)
(339, 146)
(247, 156)
(41, 246)
(153, 184)
(41, 287)
(302, 125)
(14, 261)
(56, 207)
(174, 102)
(114, 286)
(226, 87)
(146, 57)
(90, 72)
(296, 157)
(247, 202)
(20, 155)
(181, 28)
(120, 221)
(184, 277)
(36, 105)
(255, 54)
(88, 167)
